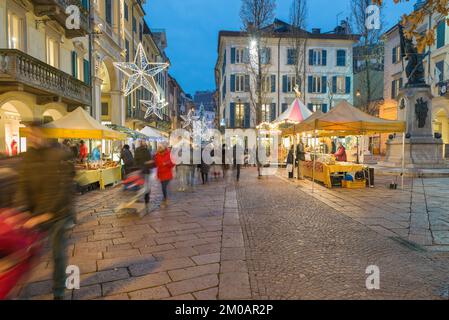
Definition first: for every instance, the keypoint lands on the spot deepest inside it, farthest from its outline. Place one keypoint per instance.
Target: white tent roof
(296, 112)
(153, 134)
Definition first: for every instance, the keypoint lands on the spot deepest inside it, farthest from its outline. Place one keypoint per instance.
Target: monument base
(420, 153)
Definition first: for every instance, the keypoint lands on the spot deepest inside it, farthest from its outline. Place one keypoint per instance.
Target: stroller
(134, 183)
(19, 246)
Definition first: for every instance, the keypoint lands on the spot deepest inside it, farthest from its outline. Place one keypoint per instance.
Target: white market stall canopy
(77, 124)
(153, 134)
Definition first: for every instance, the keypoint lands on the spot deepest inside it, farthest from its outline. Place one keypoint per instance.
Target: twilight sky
(192, 28)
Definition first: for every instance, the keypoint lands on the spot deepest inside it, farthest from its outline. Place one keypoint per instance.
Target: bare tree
(368, 56)
(298, 40)
(256, 15)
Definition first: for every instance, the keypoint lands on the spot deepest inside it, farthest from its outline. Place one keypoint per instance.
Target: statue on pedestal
(415, 68)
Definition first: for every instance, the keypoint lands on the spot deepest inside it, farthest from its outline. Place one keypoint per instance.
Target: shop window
(239, 115)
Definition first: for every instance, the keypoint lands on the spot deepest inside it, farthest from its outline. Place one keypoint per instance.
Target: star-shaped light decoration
(140, 73)
(154, 107)
(189, 119)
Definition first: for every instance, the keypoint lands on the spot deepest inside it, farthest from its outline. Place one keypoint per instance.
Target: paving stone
(121, 253)
(176, 253)
(135, 283)
(192, 285)
(233, 266)
(193, 272)
(123, 262)
(103, 276)
(158, 266)
(233, 254)
(206, 258)
(87, 293)
(234, 286)
(156, 293)
(208, 294)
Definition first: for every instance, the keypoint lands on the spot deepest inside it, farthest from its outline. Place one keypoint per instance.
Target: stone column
(96, 109)
(117, 108)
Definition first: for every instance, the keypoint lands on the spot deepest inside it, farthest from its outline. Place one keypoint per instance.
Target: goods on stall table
(319, 167)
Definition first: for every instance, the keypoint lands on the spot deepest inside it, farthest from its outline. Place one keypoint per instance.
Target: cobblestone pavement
(419, 213)
(299, 247)
(191, 250)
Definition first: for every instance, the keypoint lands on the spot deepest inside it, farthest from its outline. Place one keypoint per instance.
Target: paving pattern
(299, 247)
(191, 250)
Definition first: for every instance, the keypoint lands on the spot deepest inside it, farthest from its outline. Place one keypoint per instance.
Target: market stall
(342, 120)
(80, 125)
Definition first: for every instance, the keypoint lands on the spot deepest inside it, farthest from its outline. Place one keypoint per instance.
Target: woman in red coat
(340, 155)
(164, 165)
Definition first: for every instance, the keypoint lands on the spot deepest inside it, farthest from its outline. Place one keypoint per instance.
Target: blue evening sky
(192, 28)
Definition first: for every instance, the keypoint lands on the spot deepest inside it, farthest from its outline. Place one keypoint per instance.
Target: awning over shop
(77, 125)
(297, 112)
(129, 132)
(345, 119)
(153, 134)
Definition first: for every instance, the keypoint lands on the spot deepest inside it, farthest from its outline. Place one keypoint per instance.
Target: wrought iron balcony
(19, 71)
(56, 10)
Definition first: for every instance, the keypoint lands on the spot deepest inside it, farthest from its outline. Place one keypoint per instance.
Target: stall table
(87, 177)
(110, 176)
(324, 171)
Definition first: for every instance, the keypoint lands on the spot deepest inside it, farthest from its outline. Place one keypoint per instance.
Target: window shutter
(348, 85)
(394, 54)
(341, 58)
(273, 83)
(310, 57)
(400, 83)
(108, 11)
(247, 86)
(232, 82)
(310, 84)
(324, 107)
(86, 71)
(324, 57)
(284, 107)
(74, 64)
(247, 115)
(334, 84)
(310, 106)
(284, 83)
(232, 55)
(85, 4)
(232, 115)
(324, 84)
(273, 111)
(441, 34)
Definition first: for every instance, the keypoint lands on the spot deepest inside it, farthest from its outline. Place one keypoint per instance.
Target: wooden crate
(359, 184)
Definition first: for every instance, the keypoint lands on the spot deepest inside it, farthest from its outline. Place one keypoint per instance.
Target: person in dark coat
(290, 160)
(142, 158)
(128, 159)
(45, 190)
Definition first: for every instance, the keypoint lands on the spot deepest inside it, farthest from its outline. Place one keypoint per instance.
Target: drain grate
(408, 244)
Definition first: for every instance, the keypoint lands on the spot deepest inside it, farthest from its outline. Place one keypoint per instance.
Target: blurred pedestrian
(45, 190)
(141, 159)
(290, 162)
(239, 159)
(128, 159)
(164, 165)
(204, 169)
(96, 153)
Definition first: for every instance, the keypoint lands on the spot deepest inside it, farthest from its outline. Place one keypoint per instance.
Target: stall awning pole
(314, 163)
(403, 161)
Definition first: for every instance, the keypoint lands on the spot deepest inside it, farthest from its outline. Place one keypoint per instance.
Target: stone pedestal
(422, 149)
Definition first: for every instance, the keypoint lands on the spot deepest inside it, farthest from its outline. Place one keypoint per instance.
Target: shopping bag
(289, 167)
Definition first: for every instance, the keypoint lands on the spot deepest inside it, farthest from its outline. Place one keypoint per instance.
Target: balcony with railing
(20, 71)
(56, 10)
